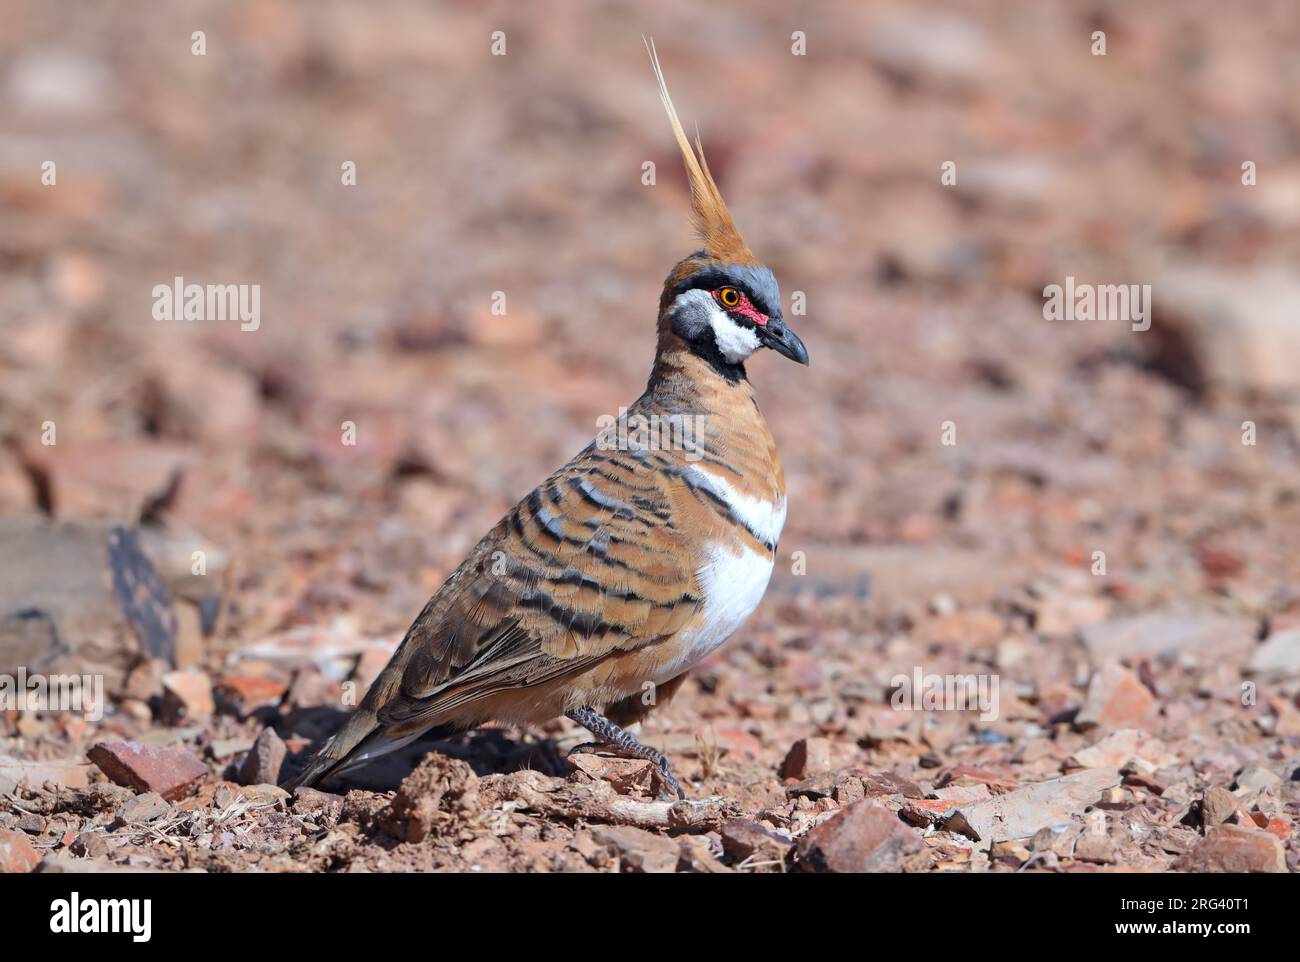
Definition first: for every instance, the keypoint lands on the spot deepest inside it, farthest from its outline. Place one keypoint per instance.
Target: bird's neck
(683, 374)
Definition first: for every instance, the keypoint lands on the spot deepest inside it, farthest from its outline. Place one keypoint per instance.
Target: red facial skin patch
(745, 308)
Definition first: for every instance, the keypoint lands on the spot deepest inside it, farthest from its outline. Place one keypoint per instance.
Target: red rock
(627, 775)
(187, 697)
(968, 776)
(89, 845)
(1233, 848)
(1100, 849)
(438, 790)
(261, 766)
(889, 783)
(744, 839)
(926, 811)
(16, 853)
(247, 693)
(142, 809)
(807, 756)
(310, 801)
(1116, 699)
(1218, 806)
(639, 850)
(1219, 562)
(865, 837)
(1276, 825)
(171, 772)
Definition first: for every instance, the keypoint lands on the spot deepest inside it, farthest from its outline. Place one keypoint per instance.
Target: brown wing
(591, 563)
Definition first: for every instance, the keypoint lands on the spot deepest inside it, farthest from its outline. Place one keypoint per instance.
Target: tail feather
(340, 751)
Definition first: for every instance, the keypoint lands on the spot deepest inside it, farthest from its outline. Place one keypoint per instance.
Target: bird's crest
(709, 214)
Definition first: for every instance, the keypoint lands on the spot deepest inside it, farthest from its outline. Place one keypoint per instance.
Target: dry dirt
(1104, 522)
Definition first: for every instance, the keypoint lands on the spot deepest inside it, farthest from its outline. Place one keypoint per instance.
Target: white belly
(732, 585)
(732, 581)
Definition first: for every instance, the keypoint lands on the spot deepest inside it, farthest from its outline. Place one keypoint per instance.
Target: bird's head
(720, 300)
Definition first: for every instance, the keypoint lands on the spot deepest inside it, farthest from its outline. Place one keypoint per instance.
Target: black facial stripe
(743, 278)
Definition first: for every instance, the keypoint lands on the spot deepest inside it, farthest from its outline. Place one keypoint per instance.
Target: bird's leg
(622, 740)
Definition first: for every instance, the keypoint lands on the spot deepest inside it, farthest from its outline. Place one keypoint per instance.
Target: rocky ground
(1102, 522)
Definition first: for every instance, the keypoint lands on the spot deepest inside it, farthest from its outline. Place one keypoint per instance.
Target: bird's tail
(340, 752)
(363, 736)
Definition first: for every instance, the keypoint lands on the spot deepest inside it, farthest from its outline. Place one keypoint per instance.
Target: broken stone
(1013, 852)
(89, 845)
(629, 776)
(1254, 781)
(265, 795)
(1233, 848)
(262, 764)
(16, 853)
(1100, 849)
(244, 694)
(431, 797)
(697, 856)
(1277, 658)
(743, 839)
(817, 786)
(807, 756)
(1217, 806)
(171, 772)
(963, 794)
(927, 811)
(187, 697)
(598, 802)
(865, 837)
(1116, 698)
(639, 850)
(326, 806)
(1021, 813)
(142, 809)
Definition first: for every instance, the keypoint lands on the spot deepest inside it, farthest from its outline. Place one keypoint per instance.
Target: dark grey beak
(778, 337)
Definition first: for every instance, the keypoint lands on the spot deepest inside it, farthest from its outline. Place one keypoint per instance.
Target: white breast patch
(733, 578)
(762, 516)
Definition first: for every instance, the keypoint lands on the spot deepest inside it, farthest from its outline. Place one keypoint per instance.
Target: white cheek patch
(735, 343)
(695, 310)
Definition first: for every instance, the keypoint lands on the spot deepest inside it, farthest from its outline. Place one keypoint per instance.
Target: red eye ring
(729, 297)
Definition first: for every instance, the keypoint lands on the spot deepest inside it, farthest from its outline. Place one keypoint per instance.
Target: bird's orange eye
(729, 296)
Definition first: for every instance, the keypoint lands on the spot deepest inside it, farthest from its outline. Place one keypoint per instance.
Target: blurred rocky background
(201, 537)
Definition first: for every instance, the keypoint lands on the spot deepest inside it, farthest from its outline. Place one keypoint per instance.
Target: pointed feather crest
(709, 214)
